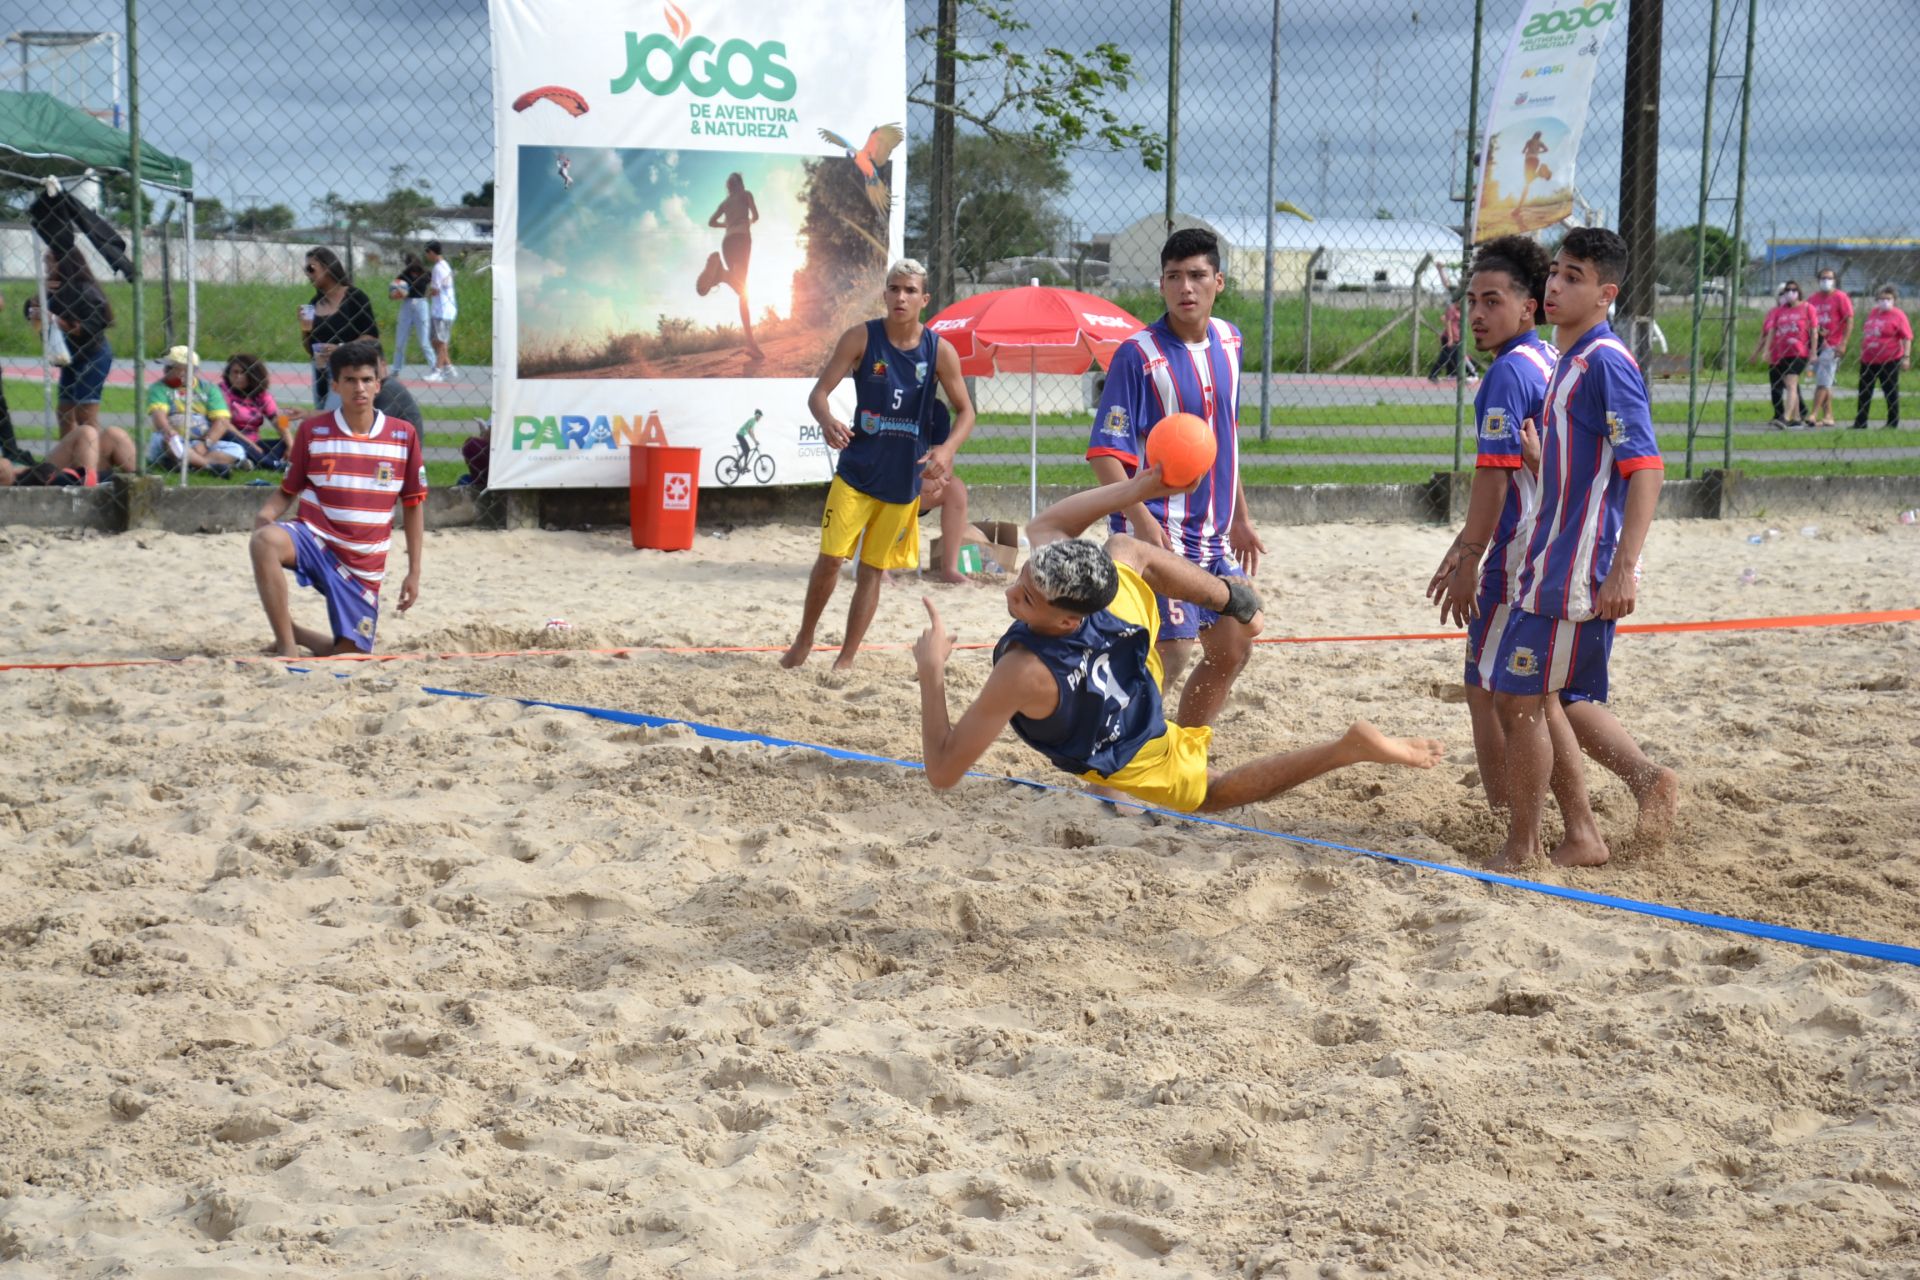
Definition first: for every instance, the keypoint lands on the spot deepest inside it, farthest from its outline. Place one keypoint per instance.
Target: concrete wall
(130, 503)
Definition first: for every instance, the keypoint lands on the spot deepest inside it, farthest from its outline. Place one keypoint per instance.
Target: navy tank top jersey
(1109, 704)
(895, 390)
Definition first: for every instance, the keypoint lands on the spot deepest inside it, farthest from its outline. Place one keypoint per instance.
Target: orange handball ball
(1183, 447)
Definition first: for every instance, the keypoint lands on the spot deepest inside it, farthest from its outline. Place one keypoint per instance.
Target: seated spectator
(10, 447)
(947, 494)
(84, 456)
(250, 400)
(183, 411)
(477, 449)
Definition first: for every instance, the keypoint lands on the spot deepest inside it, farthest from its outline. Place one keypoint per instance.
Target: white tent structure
(1355, 253)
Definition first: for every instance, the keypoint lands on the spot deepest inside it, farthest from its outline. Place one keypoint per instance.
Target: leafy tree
(846, 244)
(210, 214)
(397, 216)
(1006, 189)
(260, 219)
(481, 199)
(1059, 99)
(1673, 256)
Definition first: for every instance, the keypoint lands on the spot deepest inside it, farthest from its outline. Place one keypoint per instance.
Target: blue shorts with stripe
(353, 607)
(1184, 620)
(1485, 630)
(1539, 655)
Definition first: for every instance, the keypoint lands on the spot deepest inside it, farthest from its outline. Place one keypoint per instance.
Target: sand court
(319, 976)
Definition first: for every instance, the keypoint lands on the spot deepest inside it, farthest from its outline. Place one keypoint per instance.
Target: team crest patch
(1116, 423)
(1495, 427)
(383, 472)
(1522, 662)
(366, 628)
(1615, 432)
(920, 371)
(879, 368)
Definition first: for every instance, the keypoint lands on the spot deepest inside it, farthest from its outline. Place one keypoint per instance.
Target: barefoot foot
(1513, 857)
(1659, 799)
(797, 652)
(1366, 744)
(1580, 851)
(953, 579)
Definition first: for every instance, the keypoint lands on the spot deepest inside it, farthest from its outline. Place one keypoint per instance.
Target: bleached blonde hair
(907, 267)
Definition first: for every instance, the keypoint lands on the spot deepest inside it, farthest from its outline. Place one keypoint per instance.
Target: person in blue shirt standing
(884, 454)
(1078, 675)
(1185, 362)
(1475, 584)
(1600, 477)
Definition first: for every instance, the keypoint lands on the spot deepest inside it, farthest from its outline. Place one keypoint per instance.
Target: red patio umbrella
(1033, 330)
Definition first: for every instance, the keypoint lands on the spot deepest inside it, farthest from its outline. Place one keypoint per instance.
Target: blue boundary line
(1681, 915)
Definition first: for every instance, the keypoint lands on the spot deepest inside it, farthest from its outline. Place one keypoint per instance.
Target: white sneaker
(451, 373)
(434, 376)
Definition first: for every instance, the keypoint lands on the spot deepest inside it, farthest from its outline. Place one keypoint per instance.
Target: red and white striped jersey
(348, 485)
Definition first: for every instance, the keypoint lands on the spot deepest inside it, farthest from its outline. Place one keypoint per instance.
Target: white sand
(317, 977)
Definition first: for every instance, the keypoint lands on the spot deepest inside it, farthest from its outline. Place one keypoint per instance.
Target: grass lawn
(258, 318)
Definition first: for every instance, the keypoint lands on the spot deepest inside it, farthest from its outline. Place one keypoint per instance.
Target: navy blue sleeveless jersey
(895, 392)
(1109, 702)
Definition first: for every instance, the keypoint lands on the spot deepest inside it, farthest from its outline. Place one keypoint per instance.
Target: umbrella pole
(1033, 440)
(193, 371)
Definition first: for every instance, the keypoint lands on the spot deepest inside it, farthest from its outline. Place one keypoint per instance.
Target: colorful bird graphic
(868, 159)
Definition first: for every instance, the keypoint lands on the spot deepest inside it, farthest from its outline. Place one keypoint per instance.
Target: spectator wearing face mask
(1886, 347)
(1835, 310)
(1786, 340)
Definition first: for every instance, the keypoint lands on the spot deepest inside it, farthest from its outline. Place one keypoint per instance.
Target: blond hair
(907, 267)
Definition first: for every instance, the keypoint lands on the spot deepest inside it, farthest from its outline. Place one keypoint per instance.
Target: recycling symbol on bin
(678, 490)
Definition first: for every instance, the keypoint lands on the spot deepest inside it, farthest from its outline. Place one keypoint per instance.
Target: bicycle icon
(758, 463)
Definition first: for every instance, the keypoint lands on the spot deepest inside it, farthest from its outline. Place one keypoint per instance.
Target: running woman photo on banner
(1539, 112)
(694, 203)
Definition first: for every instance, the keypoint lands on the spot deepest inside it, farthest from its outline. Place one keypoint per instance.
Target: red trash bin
(665, 496)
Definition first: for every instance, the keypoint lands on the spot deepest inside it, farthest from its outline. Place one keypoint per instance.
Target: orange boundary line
(1636, 628)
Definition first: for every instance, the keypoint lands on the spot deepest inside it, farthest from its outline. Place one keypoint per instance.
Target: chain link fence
(367, 130)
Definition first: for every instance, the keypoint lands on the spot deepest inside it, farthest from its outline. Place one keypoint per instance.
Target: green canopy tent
(41, 136)
(43, 139)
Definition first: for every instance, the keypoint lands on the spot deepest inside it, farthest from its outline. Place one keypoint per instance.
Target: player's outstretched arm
(1019, 683)
(1069, 517)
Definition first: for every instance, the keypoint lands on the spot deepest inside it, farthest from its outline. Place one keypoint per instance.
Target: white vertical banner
(692, 201)
(1539, 112)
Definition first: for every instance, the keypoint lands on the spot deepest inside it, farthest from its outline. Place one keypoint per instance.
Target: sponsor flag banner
(1539, 112)
(692, 201)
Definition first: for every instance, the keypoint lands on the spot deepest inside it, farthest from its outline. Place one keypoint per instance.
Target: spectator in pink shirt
(251, 401)
(1835, 311)
(1786, 339)
(1886, 347)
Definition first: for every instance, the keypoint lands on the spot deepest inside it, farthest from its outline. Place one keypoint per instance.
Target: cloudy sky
(282, 103)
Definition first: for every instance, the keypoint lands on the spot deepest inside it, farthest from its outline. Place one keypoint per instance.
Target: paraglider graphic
(561, 96)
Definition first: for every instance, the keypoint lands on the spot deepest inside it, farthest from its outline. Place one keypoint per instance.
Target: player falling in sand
(1079, 678)
(347, 469)
(1479, 576)
(874, 501)
(735, 218)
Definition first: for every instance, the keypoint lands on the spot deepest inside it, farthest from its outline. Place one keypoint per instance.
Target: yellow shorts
(892, 528)
(1169, 772)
